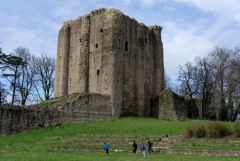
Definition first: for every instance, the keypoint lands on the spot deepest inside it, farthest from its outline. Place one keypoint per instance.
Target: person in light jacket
(143, 149)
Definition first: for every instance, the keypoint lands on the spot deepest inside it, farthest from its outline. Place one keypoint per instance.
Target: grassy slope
(33, 145)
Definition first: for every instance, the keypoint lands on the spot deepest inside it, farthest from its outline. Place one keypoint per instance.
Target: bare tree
(188, 85)
(10, 66)
(3, 90)
(216, 80)
(233, 82)
(45, 72)
(220, 61)
(205, 82)
(3, 94)
(204, 78)
(1, 54)
(26, 80)
(3, 57)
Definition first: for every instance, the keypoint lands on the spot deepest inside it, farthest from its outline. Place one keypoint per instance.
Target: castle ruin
(109, 53)
(108, 65)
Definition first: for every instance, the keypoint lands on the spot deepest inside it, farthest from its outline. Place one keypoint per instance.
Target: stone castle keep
(108, 66)
(109, 53)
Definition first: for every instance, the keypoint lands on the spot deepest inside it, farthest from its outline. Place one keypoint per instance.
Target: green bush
(218, 130)
(198, 131)
(237, 129)
(201, 131)
(190, 132)
(212, 130)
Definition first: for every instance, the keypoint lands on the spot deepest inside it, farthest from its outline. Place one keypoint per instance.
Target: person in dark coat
(150, 144)
(134, 146)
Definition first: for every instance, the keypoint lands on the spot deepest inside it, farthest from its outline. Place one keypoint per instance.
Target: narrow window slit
(126, 46)
(98, 72)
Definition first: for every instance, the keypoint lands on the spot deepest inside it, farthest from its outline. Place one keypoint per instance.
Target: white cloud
(230, 9)
(125, 2)
(62, 12)
(184, 36)
(183, 44)
(19, 37)
(147, 2)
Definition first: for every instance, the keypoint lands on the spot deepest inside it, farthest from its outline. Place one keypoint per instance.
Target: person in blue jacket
(106, 148)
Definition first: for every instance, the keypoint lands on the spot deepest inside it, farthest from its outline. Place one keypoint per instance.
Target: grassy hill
(35, 144)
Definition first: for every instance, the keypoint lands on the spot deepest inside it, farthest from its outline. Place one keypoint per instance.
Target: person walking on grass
(150, 144)
(134, 146)
(143, 149)
(106, 148)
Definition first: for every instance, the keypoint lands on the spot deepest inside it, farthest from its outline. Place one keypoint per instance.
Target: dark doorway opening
(154, 102)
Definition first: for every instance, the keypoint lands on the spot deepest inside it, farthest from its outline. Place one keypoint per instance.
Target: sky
(191, 28)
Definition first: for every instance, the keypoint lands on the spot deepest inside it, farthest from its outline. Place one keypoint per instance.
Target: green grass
(34, 144)
(209, 144)
(58, 100)
(100, 156)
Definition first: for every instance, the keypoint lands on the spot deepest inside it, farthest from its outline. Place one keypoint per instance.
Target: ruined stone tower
(115, 66)
(109, 53)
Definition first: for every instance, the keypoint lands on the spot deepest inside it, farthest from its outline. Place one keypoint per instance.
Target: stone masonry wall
(85, 55)
(80, 108)
(166, 110)
(138, 66)
(109, 53)
(175, 107)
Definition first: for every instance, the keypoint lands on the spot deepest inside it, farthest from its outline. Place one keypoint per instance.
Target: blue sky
(190, 27)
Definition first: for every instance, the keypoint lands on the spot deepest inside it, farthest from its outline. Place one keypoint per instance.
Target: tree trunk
(14, 85)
